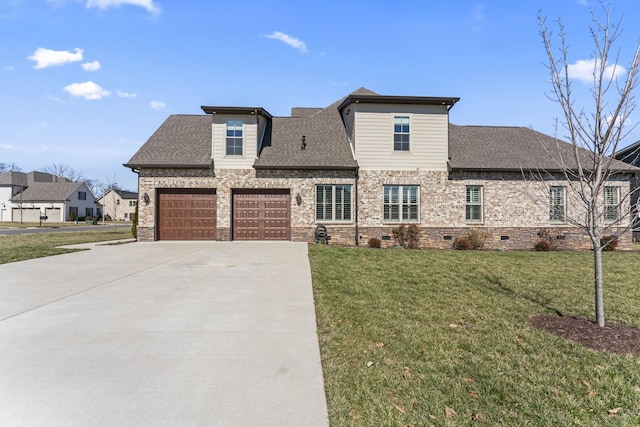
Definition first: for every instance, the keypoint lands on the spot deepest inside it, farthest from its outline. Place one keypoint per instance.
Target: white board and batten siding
(251, 132)
(373, 135)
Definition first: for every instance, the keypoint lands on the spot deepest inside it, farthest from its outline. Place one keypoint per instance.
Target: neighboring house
(361, 166)
(631, 155)
(119, 204)
(24, 197)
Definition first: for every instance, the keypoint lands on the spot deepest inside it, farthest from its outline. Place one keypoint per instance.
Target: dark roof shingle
(503, 148)
(47, 192)
(181, 141)
(327, 145)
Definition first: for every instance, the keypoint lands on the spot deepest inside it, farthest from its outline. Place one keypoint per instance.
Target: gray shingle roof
(630, 154)
(327, 145)
(124, 194)
(181, 141)
(12, 178)
(47, 192)
(502, 148)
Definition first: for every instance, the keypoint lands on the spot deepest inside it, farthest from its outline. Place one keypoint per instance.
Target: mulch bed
(612, 337)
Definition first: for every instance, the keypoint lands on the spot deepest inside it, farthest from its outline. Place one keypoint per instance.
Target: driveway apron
(161, 334)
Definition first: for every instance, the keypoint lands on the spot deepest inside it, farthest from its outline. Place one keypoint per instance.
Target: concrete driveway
(161, 334)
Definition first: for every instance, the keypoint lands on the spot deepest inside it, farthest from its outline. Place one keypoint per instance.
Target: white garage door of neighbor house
(28, 214)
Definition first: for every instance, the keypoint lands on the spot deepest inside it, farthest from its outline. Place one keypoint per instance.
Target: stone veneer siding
(509, 201)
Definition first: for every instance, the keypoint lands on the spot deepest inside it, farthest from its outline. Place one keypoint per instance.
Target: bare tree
(595, 134)
(9, 167)
(65, 171)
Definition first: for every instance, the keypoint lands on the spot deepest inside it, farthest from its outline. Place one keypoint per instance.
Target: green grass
(448, 329)
(21, 247)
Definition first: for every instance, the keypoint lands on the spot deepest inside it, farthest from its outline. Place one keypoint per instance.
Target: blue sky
(86, 82)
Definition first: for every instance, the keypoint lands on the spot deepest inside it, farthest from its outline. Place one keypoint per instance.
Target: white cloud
(8, 68)
(584, 69)
(618, 122)
(87, 90)
(157, 105)
(91, 66)
(123, 94)
(6, 146)
(49, 58)
(583, 2)
(104, 4)
(291, 41)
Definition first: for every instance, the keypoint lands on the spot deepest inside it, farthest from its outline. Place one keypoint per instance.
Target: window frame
(613, 206)
(405, 204)
(236, 127)
(82, 195)
(469, 203)
(553, 207)
(333, 209)
(399, 144)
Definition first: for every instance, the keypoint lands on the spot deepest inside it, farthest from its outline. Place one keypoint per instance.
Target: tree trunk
(597, 269)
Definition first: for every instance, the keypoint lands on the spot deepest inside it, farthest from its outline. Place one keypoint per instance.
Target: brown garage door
(261, 215)
(186, 215)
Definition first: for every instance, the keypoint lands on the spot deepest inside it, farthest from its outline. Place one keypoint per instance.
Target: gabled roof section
(47, 192)
(182, 141)
(326, 143)
(502, 148)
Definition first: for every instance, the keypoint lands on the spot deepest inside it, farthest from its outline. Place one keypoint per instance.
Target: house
(119, 204)
(25, 197)
(631, 155)
(361, 166)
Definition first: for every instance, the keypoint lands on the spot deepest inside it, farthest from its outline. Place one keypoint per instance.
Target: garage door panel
(262, 215)
(187, 216)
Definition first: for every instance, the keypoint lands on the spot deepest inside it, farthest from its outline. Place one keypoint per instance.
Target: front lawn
(442, 338)
(20, 247)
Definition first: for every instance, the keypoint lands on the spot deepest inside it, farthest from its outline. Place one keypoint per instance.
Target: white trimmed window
(557, 203)
(401, 133)
(611, 204)
(473, 207)
(401, 203)
(234, 138)
(333, 202)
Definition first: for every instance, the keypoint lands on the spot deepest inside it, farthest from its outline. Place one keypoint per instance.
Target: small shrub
(407, 237)
(543, 245)
(547, 242)
(399, 234)
(412, 237)
(609, 243)
(374, 242)
(462, 243)
(134, 223)
(477, 238)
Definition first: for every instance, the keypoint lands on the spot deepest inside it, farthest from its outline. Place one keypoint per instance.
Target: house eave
(403, 100)
(236, 110)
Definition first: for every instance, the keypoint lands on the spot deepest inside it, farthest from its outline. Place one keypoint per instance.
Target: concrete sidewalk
(161, 334)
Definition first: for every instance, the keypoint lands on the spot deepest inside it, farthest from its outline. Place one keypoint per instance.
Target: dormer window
(401, 133)
(234, 138)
